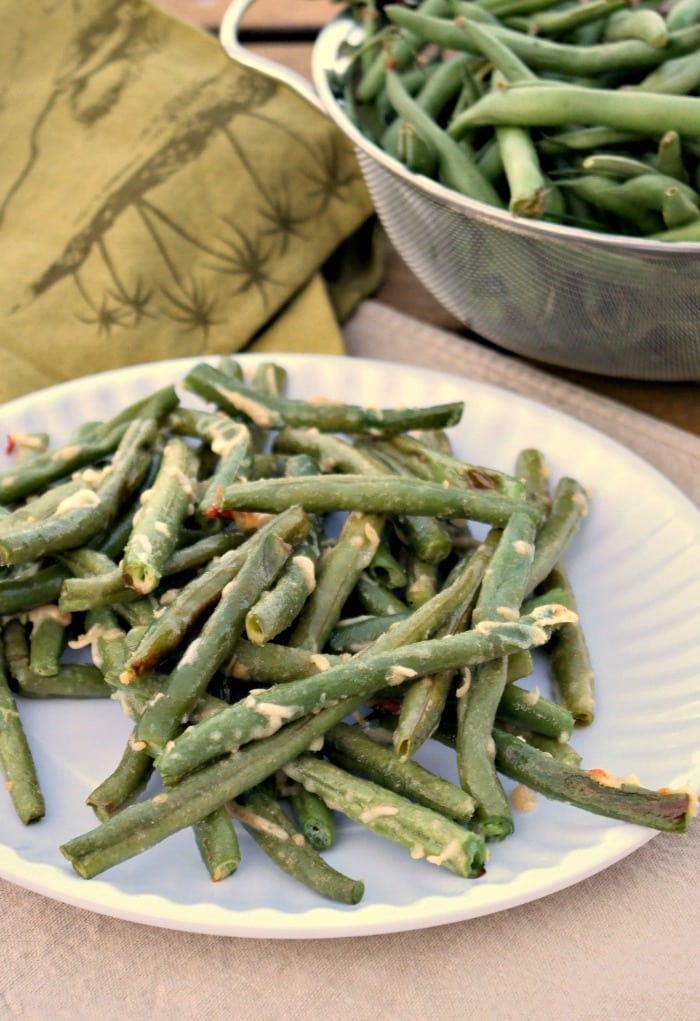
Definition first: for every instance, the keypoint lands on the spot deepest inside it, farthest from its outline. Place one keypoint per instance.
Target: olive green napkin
(157, 199)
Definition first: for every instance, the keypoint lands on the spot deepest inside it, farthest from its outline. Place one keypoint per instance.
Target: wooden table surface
(284, 32)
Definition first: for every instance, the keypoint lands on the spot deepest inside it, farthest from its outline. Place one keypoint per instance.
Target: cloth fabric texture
(159, 199)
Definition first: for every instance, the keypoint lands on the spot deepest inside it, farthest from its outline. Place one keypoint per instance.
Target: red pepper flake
(11, 444)
(387, 705)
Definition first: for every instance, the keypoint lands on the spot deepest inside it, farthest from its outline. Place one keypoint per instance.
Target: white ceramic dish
(636, 567)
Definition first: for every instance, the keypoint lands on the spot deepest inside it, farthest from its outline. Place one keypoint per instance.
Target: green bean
(569, 506)
(156, 528)
(230, 441)
(164, 715)
(568, 654)
(351, 748)
(643, 23)
(400, 50)
(339, 569)
(422, 582)
(593, 790)
(98, 581)
(561, 22)
(682, 14)
(38, 587)
(40, 507)
(375, 495)
(424, 534)
(413, 151)
(358, 633)
(550, 746)
(217, 843)
(314, 818)
(527, 185)
(274, 832)
(129, 777)
(483, 40)
(687, 232)
(424, 700)
(274, 664)
(548, 55)
(260, 715)
(586, 139)
(570, 659)
(477, 704)
(425, 833)
(145, 823)
(604, 193)
(677, 209)
(677, 76)
(377, 599)
(271, 412)
(22, 480)
(47, 639)
(513, 8)
(616, 165)
(16, 760)
(558, 105)
(71, 680)
(86, 513)
(156, 405)
(192, 600)
(386, 568)
(536, 712)
(503, 588)
(650, 191)
(458, 169)
(434, 465)
(670, 160)
(279, 606)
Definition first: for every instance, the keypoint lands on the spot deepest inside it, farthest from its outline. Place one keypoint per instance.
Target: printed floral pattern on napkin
(156, 198)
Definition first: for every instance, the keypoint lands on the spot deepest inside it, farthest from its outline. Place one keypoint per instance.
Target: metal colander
(569, 297)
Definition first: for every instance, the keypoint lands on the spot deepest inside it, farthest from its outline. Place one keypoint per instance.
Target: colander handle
(228, 37)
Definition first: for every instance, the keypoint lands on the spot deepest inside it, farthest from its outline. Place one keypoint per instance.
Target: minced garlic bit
(65, 453)
(450, 851)
(258, 822)
(185, 482)
(397, 674)
(77, 501)
(371, 534)
(579, 500)
(50, 611)
(523, 799)
(466, 683)
(308, 571)
(524, 549)
(377, 812)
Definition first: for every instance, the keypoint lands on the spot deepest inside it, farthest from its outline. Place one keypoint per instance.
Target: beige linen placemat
(621, 944)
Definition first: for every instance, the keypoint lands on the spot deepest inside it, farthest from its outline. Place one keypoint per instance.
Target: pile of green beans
(191, 552)
(587, 115)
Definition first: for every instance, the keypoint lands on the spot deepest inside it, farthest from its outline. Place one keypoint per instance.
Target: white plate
(636, 567)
